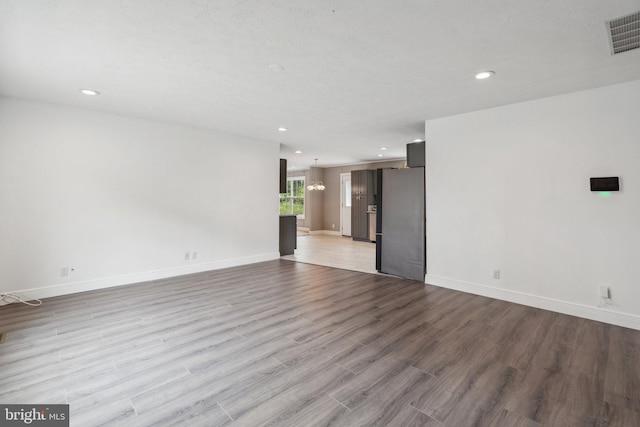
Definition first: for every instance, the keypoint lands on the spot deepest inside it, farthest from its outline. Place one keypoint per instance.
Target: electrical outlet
(64, 271)
(333, 226)
(187, 255)
(194, 255)
(605, 292)
(496, 274)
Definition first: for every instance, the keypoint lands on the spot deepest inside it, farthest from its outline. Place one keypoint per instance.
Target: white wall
(508, 189)
(121, 199)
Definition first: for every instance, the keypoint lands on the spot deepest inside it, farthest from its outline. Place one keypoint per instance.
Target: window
(292, 202)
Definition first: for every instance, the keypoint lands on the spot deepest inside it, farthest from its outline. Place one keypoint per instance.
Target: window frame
(291, 197)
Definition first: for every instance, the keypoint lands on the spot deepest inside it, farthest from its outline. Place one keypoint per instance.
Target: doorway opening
(345, 204)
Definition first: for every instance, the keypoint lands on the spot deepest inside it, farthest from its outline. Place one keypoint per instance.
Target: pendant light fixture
(316, 185)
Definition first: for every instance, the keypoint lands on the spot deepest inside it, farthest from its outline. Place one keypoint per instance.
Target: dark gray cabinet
(415, 154)
(283, 176)
(288, 231)
(362, 195)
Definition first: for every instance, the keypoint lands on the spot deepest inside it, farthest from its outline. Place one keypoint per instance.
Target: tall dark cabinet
(283, 176)
(362, 195)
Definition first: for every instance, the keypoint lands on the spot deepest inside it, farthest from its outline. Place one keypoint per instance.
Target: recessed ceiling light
(383, 148)
(418, 140)
(90, 92)
(484, 75)
(298, 152)
(282, 129)
(380, 155)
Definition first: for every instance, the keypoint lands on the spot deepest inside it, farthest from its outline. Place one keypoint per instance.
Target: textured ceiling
(355, 76)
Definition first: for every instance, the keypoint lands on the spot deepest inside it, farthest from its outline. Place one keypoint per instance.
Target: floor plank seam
(238, 333)
(425, 414)
(276, 359)
(225, 411)
(339, 403)
(133, 406)
(344, 367)
(424, 372)
(354, 341)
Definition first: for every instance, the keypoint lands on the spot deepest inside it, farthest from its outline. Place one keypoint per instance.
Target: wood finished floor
(335, 251)
(293, 344)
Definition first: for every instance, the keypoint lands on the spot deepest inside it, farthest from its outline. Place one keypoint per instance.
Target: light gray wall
(331, 205)
(508, 189)
(120, 200)
(316, 200)
(322, 208)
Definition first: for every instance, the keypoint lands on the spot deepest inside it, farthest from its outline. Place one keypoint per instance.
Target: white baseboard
(594, 313)
(325, 232)
(128, 279)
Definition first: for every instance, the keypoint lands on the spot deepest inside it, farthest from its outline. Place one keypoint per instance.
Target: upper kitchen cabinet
(415, 154)
(283, 176)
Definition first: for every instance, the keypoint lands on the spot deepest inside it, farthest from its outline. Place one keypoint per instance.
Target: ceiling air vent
(625, 33)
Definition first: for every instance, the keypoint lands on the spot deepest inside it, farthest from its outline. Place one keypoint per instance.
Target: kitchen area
(386, 233)
(388, 208)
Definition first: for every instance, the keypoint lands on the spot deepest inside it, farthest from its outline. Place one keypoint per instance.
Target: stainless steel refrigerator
(400, 225)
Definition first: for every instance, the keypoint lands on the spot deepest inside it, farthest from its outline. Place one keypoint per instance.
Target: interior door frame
(342, 206)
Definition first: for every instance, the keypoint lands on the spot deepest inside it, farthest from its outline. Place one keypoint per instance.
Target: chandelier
(316, 185)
